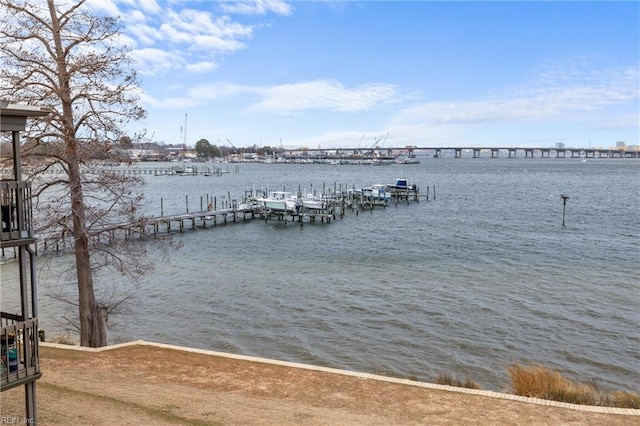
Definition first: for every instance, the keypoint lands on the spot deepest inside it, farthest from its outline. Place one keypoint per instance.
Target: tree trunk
(92, 327)
(91, 322)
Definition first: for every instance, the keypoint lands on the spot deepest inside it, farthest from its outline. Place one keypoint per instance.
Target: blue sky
(353, 73)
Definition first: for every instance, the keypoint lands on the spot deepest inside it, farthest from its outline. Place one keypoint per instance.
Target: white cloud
(197, 95)
(257, 7)
(185, 26)
(553, 95)
(218, 91)
(189, 36)
(123, 8)
(155, 61)
(322, 94)
(148, 6)
(143, 34)
(216, 44)
(292, 98)
(108, 7)
(174, 35)
(201, 67)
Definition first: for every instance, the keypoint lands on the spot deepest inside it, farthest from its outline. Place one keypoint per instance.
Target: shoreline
(146, 383)
(267, 363)
(407, 382)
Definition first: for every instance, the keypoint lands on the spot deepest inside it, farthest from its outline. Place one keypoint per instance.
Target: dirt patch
(148, 385)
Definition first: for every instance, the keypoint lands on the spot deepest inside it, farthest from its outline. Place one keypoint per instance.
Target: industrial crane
(373, 147)
(235, 150)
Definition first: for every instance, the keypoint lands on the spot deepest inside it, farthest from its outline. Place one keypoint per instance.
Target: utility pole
(183, 136)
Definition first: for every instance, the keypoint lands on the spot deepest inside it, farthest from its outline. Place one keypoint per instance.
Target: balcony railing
(16, 210)
(18, 351)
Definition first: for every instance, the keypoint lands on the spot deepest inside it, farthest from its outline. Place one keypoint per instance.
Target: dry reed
(449, 380)
(544, 383)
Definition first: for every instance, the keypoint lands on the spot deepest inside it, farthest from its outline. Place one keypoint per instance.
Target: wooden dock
(154, 226)
(301, 217)
(338, 203)
(135, 169)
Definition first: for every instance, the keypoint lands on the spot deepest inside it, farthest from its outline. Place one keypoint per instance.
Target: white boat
(280, 201)
(401, 185)
(250, 204)
(409, 159)
(377, 192)
(311, 201)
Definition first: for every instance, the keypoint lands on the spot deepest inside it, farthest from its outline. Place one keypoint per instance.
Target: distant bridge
(475, 152)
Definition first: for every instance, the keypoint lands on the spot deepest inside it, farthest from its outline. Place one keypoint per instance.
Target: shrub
(65, 340)
(448, 379)
(624, 399)
(544, 383)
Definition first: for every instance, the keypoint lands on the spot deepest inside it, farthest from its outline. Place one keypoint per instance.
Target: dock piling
(564, 206)
(211, 214)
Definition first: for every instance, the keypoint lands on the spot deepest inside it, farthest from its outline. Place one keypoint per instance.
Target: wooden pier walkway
(154, 226)
(338, 203)
(135, 169)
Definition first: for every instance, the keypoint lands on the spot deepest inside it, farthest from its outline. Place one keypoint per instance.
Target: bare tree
(69, 60)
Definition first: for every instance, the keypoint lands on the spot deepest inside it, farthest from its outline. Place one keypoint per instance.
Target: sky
(330, 74)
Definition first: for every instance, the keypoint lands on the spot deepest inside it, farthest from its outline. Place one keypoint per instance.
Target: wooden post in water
(186, 201)
(564, 206)
(161, 208)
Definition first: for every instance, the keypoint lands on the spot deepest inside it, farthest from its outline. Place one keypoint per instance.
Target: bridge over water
(459, 152)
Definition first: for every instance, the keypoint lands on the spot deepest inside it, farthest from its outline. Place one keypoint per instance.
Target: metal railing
(16, 210)
(18, 350)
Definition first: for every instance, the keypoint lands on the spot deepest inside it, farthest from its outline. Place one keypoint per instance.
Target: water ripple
(482, 277)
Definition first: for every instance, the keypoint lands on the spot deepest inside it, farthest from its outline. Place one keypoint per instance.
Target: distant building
(620, 145)
(560, 145)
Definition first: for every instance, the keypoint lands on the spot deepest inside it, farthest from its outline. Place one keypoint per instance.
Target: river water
(468, 283)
